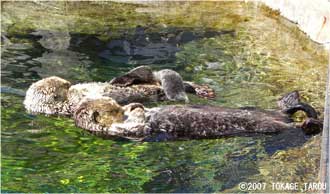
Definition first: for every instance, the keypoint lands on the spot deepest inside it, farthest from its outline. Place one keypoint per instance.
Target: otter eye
(57, 97)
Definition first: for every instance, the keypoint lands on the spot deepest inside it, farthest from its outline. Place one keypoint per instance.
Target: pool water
(246, 52)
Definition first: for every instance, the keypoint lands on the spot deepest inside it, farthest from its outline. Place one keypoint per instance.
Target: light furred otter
(54, 95)
(193, 122)
(132, 126)
(48, 96)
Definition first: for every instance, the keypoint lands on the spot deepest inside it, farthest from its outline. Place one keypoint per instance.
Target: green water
(247, 53)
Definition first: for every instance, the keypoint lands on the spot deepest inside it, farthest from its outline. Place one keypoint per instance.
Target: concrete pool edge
(325, 144)
(311, 17)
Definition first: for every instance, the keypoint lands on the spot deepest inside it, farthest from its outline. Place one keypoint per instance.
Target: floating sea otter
(54, 95)
(104, 116)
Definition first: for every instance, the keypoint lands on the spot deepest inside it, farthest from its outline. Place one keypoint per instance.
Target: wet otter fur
(174, 87)
(54, 95)
(122, 95)
(138, 75)
(108, 111)
(180, 122)
(127, 122)
(48, 96)
(172, 84)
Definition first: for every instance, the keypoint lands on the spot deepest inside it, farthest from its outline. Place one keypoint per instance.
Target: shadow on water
(216, 168)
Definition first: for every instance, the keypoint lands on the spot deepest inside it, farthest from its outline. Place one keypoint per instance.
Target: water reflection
(58, 59)
(46, 53)
(149, 46)
(17, 61)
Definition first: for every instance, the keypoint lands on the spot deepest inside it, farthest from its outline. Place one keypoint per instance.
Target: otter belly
(212, 122)
(122, 95)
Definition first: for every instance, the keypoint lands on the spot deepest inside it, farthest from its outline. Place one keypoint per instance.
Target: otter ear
(289, 100)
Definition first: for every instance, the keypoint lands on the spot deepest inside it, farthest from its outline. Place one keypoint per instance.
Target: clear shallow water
(247, 53)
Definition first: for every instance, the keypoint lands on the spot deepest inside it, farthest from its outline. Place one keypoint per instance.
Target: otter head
(103, 116)
(134, 113)
(96, 114)
(48, 96)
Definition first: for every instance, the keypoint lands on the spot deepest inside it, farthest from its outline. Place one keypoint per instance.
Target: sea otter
(173, 85)
(54, 95)
(179, 122)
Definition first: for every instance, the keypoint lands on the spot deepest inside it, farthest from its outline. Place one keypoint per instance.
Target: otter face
(109, 116)
(134, 113)
(104, 116)
(47, 95)
(103, 111)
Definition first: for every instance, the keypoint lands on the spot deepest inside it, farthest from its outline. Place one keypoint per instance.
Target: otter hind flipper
(172, 84)
(202, 91)
(138, 75)
(308, 109)
(289, 100)
(290, 103)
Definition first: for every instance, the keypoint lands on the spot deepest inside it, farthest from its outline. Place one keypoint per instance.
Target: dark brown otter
(196, 121)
